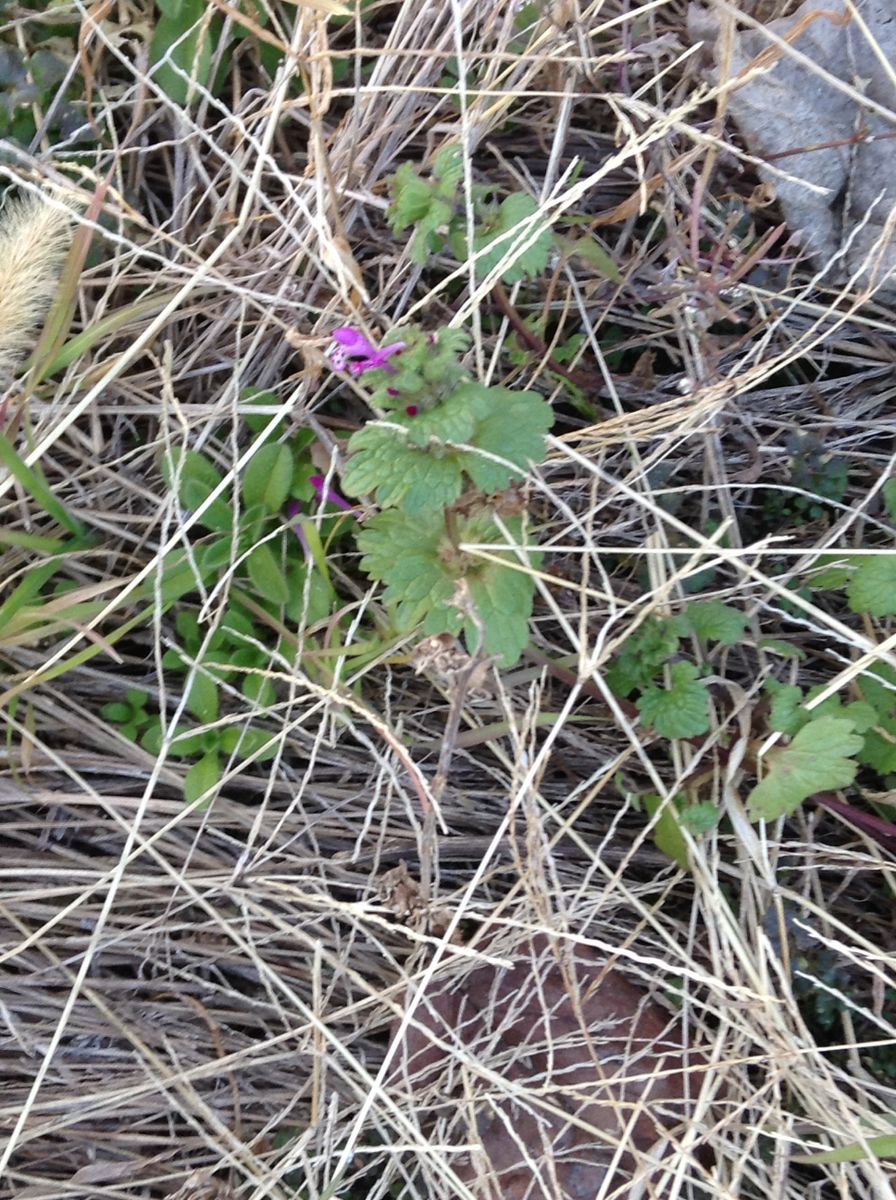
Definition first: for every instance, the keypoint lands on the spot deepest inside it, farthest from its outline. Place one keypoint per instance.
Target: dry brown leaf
(593, 1062)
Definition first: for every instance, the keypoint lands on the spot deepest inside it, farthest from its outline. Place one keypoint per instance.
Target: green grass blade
(875, 1147)
(35, 486)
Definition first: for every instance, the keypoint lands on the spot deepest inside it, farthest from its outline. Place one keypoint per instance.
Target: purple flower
(328, 494)
(350, 344)
(293, 509)
(325, 495)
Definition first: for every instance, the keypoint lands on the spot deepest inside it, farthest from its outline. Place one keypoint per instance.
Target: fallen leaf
(547, 1067)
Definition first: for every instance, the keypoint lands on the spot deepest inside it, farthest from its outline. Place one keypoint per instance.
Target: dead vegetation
(210, 1004)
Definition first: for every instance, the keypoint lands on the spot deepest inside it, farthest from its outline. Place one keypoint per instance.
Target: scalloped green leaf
(414, 465)
(643, 654)
(513, 426)
(680, 710)
(818, 759)
(872, 588)
(421, 569)
(514, 214)
(712, 621)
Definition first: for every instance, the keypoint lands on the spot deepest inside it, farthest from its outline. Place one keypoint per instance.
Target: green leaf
(214, 556)
(832, 571)
(784, 649)
(712, 621)
(513, 426)
(651, 645)
(268, 478)
(786, 713)
(888, 492)
(386, 464)
(863, 715)
(181, 48)
(592, 252)
(248, 742)
(514, 214)
(878, 687)
(259, 690)
(201, 779)
(32, 481)
(267, 575)
(252, 398)
(202, 697)
(422, 568)
(180, 577)
(447, 171)
(879, 751)
(195, 478)
(682, 709)
(872, 588)
(427, 205)
(818, 759)
(667, 835)
(413, 198)
(320, 595)
(116, 712)
(699, 818)
(875, 1147)
(416, 467)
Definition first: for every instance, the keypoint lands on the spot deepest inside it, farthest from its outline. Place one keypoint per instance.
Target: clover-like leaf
(818, 759)
(680, 710)
(872, 588)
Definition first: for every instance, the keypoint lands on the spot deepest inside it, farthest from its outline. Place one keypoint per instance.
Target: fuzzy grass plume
(34, 239)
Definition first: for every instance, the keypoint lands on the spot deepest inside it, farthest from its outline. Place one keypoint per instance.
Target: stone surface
(790, 105)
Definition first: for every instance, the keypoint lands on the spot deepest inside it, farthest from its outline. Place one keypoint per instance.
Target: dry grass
(199, 1003)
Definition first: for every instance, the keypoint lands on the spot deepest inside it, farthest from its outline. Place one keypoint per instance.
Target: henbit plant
(451, 549)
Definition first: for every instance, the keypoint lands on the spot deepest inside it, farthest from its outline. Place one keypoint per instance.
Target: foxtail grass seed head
(34, 240)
